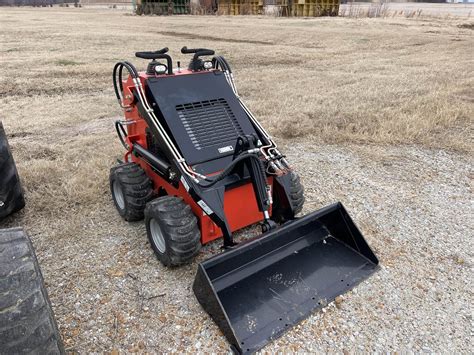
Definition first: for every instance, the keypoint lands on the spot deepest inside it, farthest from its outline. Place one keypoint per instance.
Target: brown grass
(333, 80)
(392, 81)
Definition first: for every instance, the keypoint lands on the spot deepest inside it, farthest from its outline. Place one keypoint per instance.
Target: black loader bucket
(263, 287)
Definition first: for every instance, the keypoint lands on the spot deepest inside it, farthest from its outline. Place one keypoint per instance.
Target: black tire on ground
(131, 190)
(172, 230)
(27, 322)
(296, 193)
(281, 211)
(11, 193)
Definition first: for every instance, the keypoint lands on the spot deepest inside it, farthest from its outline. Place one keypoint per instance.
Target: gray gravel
(414, 206)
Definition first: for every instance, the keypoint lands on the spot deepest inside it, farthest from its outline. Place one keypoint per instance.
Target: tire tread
(27, 323)
(137, 190)
(180, 229)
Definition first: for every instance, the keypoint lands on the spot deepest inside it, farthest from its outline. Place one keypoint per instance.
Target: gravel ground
(414, 206)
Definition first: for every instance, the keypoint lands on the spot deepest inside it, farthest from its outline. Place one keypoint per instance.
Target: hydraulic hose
(231, 166)
(114, 77)
(121, 134)
(131, 67)
(119, 67)
(226, 65)
(220, 61)
(142, 98)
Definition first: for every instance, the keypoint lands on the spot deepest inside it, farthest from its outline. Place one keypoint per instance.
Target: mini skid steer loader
(198, 166)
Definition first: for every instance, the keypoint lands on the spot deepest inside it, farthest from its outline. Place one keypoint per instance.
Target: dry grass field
(383, 100)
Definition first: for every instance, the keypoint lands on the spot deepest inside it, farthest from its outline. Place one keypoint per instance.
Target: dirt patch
(469, 26)
(43, 153)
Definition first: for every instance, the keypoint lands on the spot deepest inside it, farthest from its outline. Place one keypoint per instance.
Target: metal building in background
(306, 8)
(162, 7)
(300, 8)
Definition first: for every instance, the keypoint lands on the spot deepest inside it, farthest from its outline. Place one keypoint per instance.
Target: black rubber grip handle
(204, 52)
(201, 51)
(151, 55)
(169, 61)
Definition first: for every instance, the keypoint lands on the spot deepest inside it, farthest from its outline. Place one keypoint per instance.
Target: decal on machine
(227, 149)
(205, 207)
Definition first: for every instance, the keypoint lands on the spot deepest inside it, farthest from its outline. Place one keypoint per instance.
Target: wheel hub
(157, 236)
(118, 194)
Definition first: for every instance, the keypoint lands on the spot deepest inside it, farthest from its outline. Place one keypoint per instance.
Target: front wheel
(172, 230)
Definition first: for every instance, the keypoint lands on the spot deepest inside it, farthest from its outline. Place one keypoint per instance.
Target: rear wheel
(11, 193)
(131, 190)
(172, 230)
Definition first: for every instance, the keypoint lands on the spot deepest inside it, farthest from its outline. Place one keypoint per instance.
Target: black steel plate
(202, 113)
(265, 304)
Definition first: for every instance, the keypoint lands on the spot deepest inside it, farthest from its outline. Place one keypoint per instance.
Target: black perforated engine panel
(209, 123)
(201, 113)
